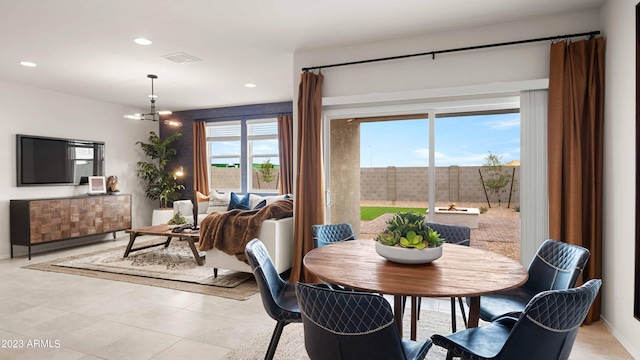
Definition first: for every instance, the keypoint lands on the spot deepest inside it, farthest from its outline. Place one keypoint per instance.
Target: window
(244, 155)
(262, 149)
(224, 144)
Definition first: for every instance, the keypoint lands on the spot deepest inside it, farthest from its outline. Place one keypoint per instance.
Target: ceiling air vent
(181, 58)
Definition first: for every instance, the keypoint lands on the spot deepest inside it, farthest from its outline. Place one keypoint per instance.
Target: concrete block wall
(229, 179)
(411, 183)
(453, 184)
(373, 183)
(225, 178)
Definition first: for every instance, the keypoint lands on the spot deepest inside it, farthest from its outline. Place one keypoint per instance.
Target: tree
(161, 185)
(496, 177)
(266, 171)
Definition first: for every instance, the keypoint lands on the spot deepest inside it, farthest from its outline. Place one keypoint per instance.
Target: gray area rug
(291, 345)
(173, 267)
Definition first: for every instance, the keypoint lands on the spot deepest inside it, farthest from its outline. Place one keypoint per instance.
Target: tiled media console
(39, 221)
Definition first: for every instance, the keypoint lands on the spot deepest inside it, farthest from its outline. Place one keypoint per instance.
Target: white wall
(519, 63)
(33, 111)
(512, 63)
(618, 20)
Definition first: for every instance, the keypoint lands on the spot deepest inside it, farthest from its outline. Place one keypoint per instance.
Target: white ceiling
(85, 47)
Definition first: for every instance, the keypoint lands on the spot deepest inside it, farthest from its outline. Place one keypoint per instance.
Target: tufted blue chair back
(459, 235)
(546, 329)
(551, 318)
(330, 233)
(452, 234)
(278, 296)
(557, 265)
(351, 325)
(272, 287)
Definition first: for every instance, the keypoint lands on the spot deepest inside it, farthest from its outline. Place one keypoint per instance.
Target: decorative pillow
(260, 205)
(255, 199)
(272, 199)
(236, 203)
(218, 202)
(200, 197)
(202, 202)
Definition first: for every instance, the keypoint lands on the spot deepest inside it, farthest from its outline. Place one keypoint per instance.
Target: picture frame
(97, 185)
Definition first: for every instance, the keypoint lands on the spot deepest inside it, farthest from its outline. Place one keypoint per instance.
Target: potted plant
(407, 239)
(177, 219)
(161, 184)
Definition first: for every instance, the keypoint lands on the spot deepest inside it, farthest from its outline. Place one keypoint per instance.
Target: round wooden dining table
(462, 271)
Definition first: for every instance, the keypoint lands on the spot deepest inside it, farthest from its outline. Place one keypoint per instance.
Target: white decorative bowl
(407, 255)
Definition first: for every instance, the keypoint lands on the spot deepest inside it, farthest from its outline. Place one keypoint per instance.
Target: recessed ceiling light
(250, 85)
(142, 41)
(28, 63)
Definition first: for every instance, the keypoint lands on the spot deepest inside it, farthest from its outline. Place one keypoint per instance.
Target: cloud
(265, 149)
(504, 124)
(421, 153)
(461, 160)
(445, 159)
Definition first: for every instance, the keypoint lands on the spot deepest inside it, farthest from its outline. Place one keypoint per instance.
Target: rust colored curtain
(200, 173)
(576, 113)
(285, 144)
(309, 193)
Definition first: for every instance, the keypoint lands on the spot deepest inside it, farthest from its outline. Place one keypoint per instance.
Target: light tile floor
(57, 316)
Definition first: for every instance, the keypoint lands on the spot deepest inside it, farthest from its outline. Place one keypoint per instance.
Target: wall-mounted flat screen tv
(54, 161)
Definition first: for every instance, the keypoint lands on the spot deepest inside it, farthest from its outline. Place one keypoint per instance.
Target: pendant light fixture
(153, 115)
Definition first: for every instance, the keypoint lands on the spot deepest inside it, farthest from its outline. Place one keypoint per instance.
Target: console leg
(114, 235)
(215, 273)
(29, 252)
(12, 251)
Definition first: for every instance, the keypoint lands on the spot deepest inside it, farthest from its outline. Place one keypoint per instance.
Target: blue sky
(463, 141)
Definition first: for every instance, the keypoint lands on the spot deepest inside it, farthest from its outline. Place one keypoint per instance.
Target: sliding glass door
(421, 156)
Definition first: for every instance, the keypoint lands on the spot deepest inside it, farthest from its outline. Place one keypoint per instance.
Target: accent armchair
(451, 234)
(330, 233)
(352, 325)
(545, 330)
(278, 296)
(556, 266)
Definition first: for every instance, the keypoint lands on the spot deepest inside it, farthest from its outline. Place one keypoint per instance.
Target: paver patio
(498, 229)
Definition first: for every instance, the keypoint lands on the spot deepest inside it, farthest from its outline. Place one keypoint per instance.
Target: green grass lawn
(372, 212)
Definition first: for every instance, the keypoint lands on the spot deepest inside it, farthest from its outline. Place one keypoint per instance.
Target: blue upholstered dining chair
(330, 233)
(451, 234)
(556, 266)
(546, 329)
(278, 296)
(352, 325)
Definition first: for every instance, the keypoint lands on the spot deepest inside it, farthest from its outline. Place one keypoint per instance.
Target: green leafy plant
(177, 219)
(266, 171)
(433, 237)
(161, 185)
(388, 237)
(408, 229)
(495, 178)
(412, 240)
(483, 210)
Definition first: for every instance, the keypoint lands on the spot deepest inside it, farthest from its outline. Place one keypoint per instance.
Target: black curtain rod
(243, 117)
(433, 54)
